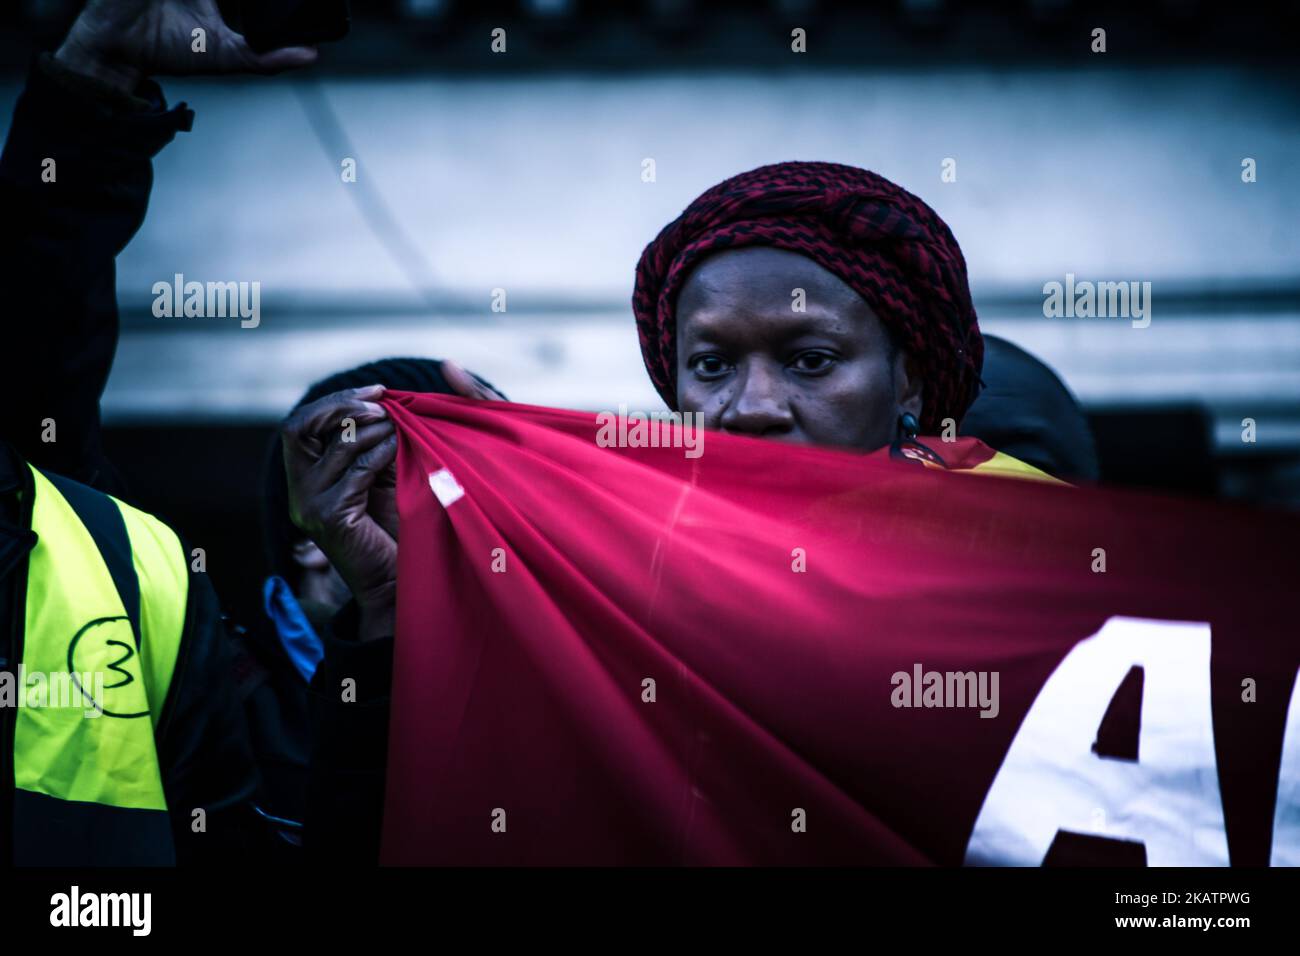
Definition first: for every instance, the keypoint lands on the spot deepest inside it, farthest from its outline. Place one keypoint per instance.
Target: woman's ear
(907, 384)
(309, 557)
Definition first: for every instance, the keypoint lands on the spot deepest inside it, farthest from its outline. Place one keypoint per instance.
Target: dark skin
(747, 362)
(319, 588)
(752, 365)
(118, 42)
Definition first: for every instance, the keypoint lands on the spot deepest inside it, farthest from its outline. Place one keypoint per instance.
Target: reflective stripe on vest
(96, 744)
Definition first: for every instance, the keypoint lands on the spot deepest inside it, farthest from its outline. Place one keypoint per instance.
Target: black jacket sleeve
(349, 711)
(75, 177)
(203, 745)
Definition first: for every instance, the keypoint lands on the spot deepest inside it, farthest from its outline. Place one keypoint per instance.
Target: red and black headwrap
(886, 244)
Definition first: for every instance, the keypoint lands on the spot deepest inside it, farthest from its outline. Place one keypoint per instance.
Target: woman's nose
(759, 405)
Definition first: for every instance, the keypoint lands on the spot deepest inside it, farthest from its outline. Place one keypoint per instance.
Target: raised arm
(75, 177)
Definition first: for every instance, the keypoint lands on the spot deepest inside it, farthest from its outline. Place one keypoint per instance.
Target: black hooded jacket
(75, 177)
(60, 240)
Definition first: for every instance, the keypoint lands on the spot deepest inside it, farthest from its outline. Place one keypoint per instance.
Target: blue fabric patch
(298, 637)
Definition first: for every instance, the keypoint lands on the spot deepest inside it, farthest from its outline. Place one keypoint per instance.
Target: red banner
(616, 647)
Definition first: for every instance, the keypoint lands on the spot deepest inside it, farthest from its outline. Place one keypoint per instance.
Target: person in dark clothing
(48, 815)
(1026, 411)
(295, 560)
(92, 109)
(75, 176)
(74, 184)
(301, 598)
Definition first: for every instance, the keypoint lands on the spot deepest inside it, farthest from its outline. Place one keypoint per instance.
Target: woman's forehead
(767, 292)
(762, 271)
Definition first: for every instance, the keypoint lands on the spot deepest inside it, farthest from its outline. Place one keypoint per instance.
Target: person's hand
(121, 41)
(337, 451)
(465, 385)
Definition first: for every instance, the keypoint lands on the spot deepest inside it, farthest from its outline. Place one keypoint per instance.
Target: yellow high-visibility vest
(107, 589)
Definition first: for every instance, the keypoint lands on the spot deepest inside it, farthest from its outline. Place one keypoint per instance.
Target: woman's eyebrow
(784, 330)
(815, 325)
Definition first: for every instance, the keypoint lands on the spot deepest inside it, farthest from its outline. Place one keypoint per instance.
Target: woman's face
(752, 363)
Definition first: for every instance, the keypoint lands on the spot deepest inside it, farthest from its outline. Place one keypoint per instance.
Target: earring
(908, 426)
(907, 430)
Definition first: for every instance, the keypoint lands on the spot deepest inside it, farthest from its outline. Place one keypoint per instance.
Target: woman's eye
(708, 366)
(813, 362)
